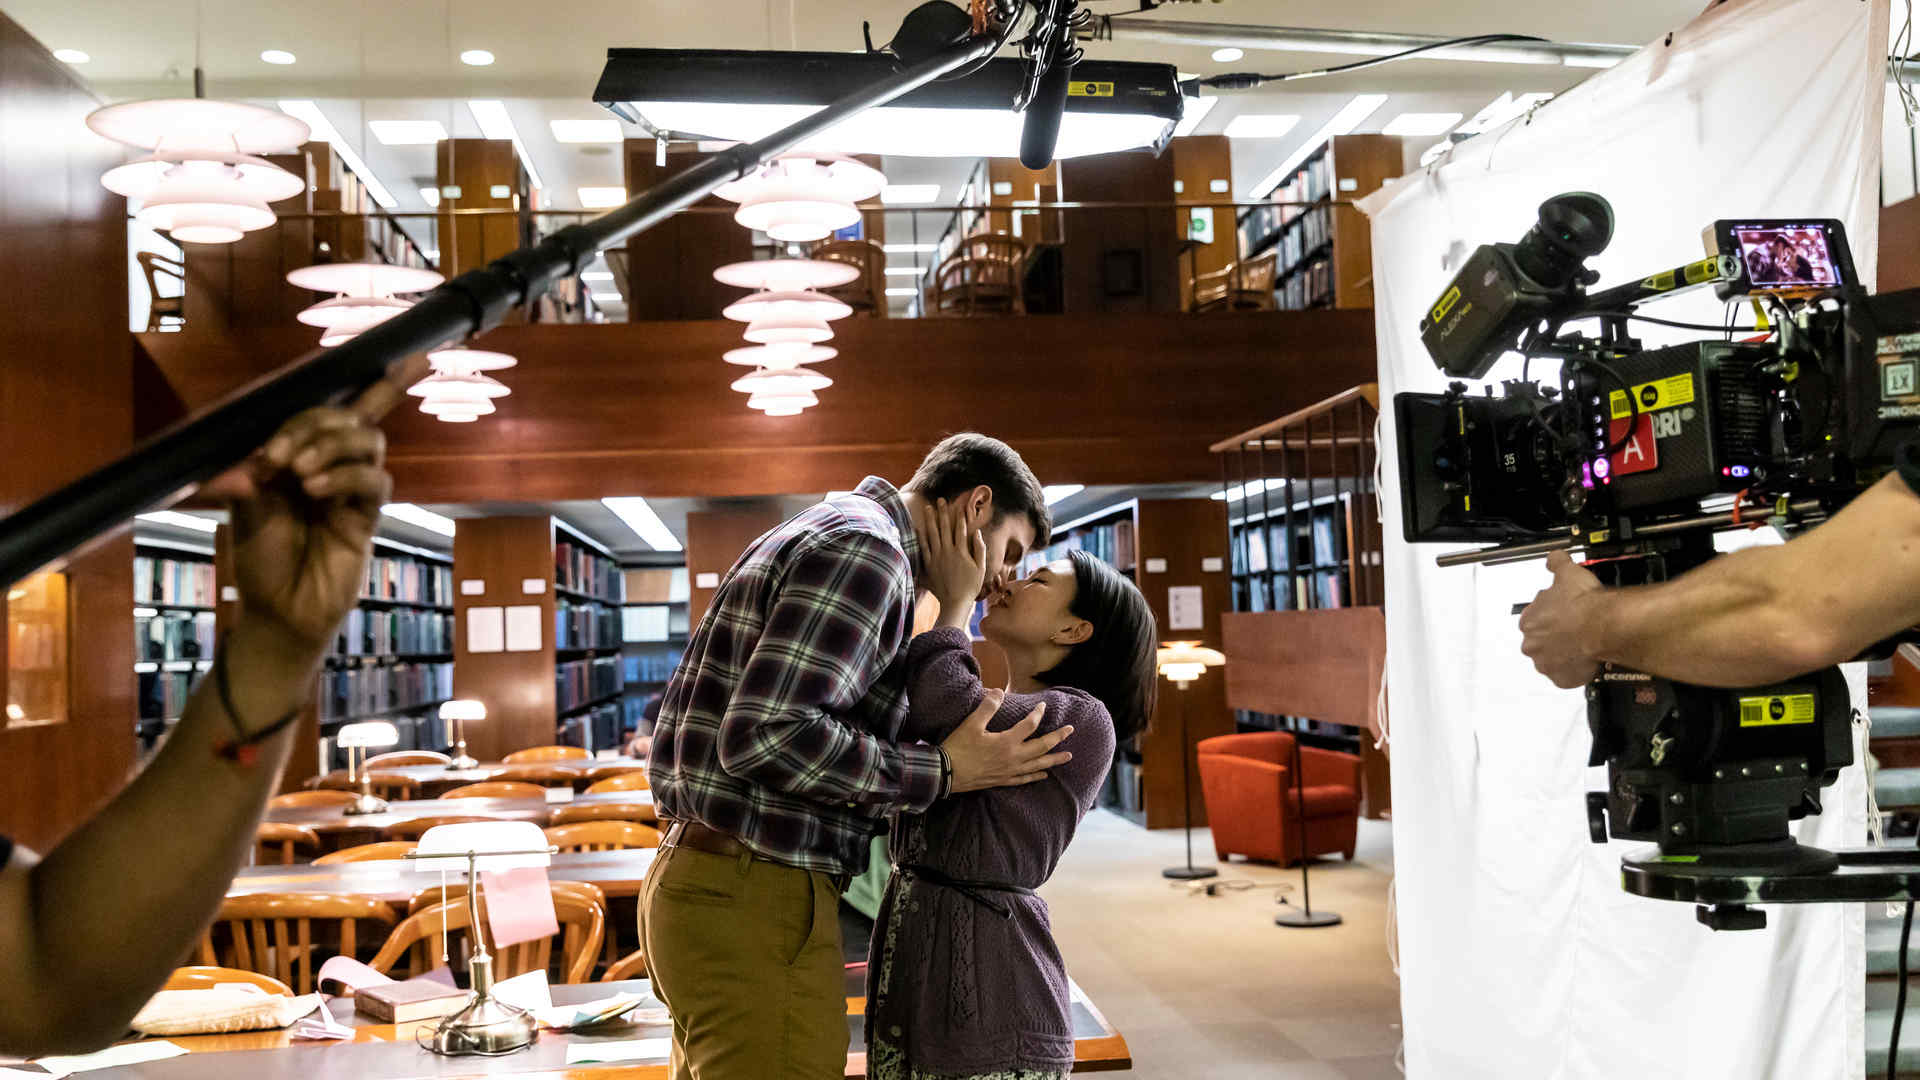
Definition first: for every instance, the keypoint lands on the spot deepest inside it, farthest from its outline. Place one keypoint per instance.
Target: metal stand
(461, 759)
(1303, 916)
(367, 803)
(487, 1025)
(1725, 895)
(1189, 872)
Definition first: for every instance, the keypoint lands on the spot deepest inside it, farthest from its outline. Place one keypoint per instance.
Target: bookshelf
(392, 657)
(589, 591)
(1300, 554)
(655, 623)
(174, 594)
(1325, 247)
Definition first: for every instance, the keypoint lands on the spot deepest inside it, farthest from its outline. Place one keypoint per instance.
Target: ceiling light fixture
(1228, 55)
(899, 291)
(363, 295)
(496, 124)
(781, 381)
(636, 514)
(784, 403)
(801, 197)
(324, 130)
(277, 56)
(1417, 123)
(202, 180)
(797, 305)
(601, 198)
(476, 58)
(742, 96)
(419, 518)
(459, 360)
(71, 56)
(1055, 492)
(464, 409)
(780, 357)
(787, 330)
(430, 196)
(1260, 125)
(787, 275)
(407, 132)
(586, 131)
(179, 520)
(905, 271)
(1351, 115)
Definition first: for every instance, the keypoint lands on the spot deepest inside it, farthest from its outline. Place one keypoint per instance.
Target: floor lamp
(1181, 662)
(1303, 916)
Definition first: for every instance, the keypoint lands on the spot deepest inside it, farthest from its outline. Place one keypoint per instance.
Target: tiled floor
(1208, 986)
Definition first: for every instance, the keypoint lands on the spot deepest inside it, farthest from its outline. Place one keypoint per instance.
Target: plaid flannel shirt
(780, 725)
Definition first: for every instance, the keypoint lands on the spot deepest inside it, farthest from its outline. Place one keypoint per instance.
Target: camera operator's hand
(1556, 627)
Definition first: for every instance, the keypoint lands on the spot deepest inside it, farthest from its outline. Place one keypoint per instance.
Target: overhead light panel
(600, 198)
(1228, 55)
(909, 194)
(407, 132)
(1260, 125)
(476, 58)
(277, 56)
(1055, 492)
(1500, 111)
(430, 195)
(1237, 494)
(587, 131)
(903, 271)
(179, 520)
(907, 249)
(324, 130)
(1421, 123)
(1197, 110)
(902, 292)
(496, 124)
(634, 512)
(419, 517)
(742, 96)
(71, 56)
(1351, 115)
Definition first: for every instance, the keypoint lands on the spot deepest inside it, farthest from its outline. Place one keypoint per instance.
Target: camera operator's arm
(88, 933)
(1755, 616)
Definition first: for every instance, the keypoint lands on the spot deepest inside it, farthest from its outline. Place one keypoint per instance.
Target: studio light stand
(1304, 915)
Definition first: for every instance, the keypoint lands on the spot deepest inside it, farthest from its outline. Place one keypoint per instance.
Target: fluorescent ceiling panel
(324, 130)
(1197, 110)
(496, 124)
(1417, 123)
(587, 131)
(419, 517)
(1351, 115)
(1260, 125)
(1055, 492)
(640, 517)
(407, 132)
(179, 520)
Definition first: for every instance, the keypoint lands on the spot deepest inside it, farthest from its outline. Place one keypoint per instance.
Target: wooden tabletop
(618, 873)
(432, 778)
(331, 819)
(389, 1052)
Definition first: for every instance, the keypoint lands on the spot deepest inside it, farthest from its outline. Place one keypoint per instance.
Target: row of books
(577, 682)
(655, 667)
(1311, 287)
(173, 635)
(366, 692)
(1317, 540)
(402, 577)
(1258, 226)
(1319, 589)
(583, 570)
(172, 581)
(425, 731)
(653, 622)
(580, 625)
(1311, 229)
(1112, 542)
(382, 631)
(164, 693)
(1311, 182)
(596, 729)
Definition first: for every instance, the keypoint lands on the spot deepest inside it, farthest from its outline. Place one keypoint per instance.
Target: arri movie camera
(1637, 456)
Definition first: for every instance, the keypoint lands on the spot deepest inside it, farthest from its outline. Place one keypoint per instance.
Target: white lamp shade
(483, 838)
(363, 278)
(352, 313)
(257, 176)
(783, 401)
(371, 734)
(1184, 661)
(787, 275)
(447, 410)
(793, 220)
(782, 381)
(780, 357)
(803, 196)
(471, 388)
(337, 337)
(788, 330)
(457, 417)
(786, 305)
(204, 203)
(460, 360)
(463, 709)
(176, 125)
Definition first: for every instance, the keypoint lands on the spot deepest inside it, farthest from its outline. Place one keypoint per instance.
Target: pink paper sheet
(519, 904)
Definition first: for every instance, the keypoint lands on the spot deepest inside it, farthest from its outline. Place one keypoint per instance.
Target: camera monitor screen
(1787, 257)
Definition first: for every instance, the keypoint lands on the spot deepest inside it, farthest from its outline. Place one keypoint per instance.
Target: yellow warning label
(1661, 282)
(1659, 394)
(1089, 89)
(1599, 537)
(1767, 711)
(1446, 303)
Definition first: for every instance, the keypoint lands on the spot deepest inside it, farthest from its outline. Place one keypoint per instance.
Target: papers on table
(528, 990)
(640, 1050)
(350, 974)
(112, 1056)
(322, 1025)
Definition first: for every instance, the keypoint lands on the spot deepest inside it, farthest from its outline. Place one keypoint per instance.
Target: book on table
(405, 1002)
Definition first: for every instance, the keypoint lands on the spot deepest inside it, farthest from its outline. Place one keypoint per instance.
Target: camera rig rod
(167, 467)
(1801, 512)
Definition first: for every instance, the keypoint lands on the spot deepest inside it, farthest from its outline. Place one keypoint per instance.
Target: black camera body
(1638, 456)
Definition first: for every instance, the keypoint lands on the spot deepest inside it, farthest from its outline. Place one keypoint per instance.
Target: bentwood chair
(866, 294)
(621, 811)
(155, 266)
(276, 843)
(603, 836)
(496, 789)
(422, 939)
(294, 799)
(629, 781)
(414, 828)
(535, 754)
(197, 977)
(393, 759)
(631, 966)
(275, 933)
(381, 850)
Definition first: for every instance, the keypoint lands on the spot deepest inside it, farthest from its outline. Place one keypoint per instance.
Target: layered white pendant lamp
(364, 295)
(782, 381)
(787, 403)
(799, 197)
(787, 275)
(459, 391)
(788, 330)
(779, 357)
(202, 181)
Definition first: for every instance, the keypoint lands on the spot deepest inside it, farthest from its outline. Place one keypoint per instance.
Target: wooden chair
(391, 786)
(866, 294)
(419, 939)
(1241, 286)
(985, 280)
(273, 933)
(206, 978)
(310, 798)
(276, 843)
(631, 966)
(629, 781)
(603, 836)
(634, 811)
(155, 266)
(396, 758)
(384, 849)
(453, 890)
(496, 789)
(557, 774)
(535, 754)
(412, 830)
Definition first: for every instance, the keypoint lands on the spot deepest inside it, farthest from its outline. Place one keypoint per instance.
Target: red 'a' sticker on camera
(1641, 453)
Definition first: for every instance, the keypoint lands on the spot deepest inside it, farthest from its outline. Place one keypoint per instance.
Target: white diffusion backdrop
(1521, 956)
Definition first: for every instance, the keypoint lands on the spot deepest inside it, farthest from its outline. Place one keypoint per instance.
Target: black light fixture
(734, 95)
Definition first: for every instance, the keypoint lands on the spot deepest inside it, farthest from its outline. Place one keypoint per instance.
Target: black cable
(1900, 1002)
(1246, 80)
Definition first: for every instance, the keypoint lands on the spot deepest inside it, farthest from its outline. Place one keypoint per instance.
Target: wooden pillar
(1124, 259)
(1010, 183)
(1182, 535)
(502, 554)
(1200, 164)
(487, 173)
(670, 266)
(715, 540)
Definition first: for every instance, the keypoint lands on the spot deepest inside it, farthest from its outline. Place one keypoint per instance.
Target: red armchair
(1247, 781)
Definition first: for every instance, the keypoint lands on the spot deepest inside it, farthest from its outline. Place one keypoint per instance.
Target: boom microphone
(1041, 128)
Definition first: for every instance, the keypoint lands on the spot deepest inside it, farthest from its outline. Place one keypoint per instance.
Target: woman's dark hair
(1116, 664)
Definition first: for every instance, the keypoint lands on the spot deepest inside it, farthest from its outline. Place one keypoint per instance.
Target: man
(1752, 617)
(88, 933)
(775, 756)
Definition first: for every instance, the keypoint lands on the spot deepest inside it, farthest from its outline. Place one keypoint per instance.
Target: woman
(965, 980)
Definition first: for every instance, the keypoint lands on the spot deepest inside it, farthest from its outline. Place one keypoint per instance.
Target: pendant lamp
(803, 196)
(787, 330)
(779, 357)
(803, 305)
(364, 295)
(202, 181)
(783, 403)
(787, 275)
(787, 380)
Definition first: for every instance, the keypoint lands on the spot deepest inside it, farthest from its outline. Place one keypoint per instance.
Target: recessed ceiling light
(1228, 55)
(180, 520)
(1197, 109)
(277, 56)
(407, 132)
(1260, 125)
(586, 131)
(909, 194)
(634, 512)
(1421, 123)
(476, 57)
(419, 517)
(71, 56)
(906, 249)
(431, 195)
(1351, 115)
(600, 198)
